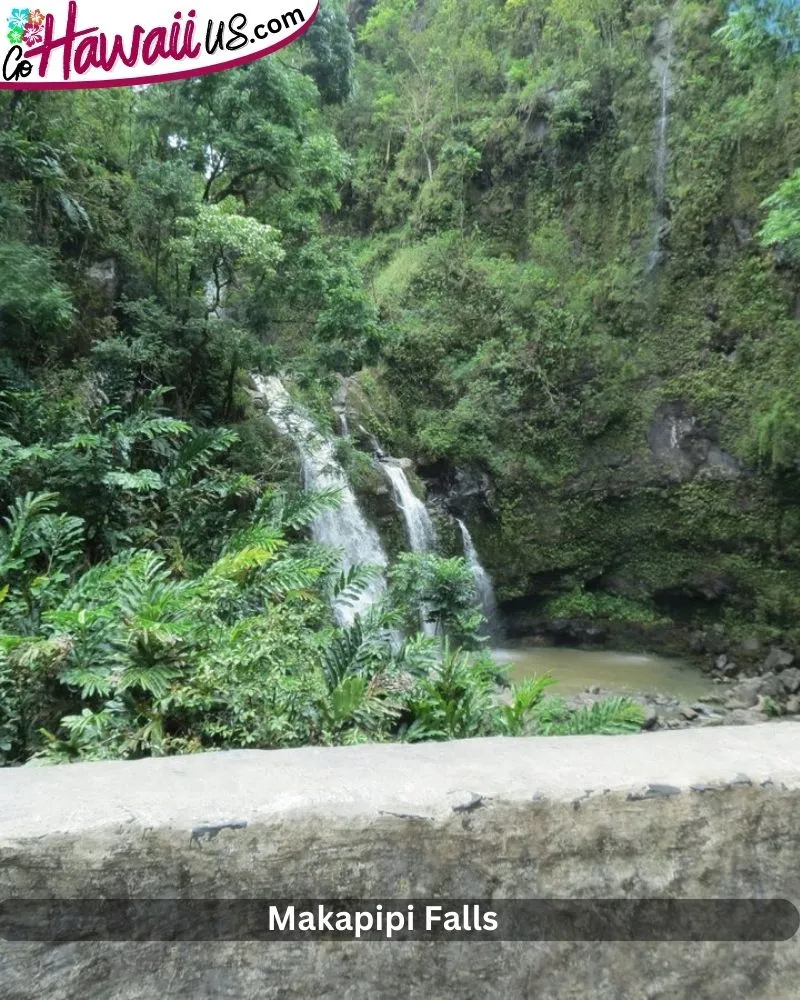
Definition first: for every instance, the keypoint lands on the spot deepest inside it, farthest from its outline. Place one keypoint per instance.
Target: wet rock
(790, 679)
(792, 706)
(746, 717)
(697, 642)
(102, 274)
(650, 718)
(684, 447)
(714, 642)
(748, 691)
(778, 659)
(770, 686)
(751, 647)
(466, 492)
(721, 661)
(743, 696)
(688, 713)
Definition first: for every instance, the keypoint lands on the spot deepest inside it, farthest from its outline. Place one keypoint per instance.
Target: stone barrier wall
(697, 813)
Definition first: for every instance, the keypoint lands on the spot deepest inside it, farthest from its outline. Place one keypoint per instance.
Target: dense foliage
(452, 205)
(555, 314)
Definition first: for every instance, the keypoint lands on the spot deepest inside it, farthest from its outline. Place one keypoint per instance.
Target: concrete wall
(586, 816)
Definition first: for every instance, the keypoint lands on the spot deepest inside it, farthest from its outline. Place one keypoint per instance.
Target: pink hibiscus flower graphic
(33, 34)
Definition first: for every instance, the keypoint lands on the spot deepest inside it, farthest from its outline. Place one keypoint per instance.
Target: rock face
(778, 659)
(684, 447)
(790, 679)
(700, 813)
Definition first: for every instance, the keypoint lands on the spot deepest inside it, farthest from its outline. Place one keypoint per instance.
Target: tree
(758, 31)
(331, 46)
(781, 228)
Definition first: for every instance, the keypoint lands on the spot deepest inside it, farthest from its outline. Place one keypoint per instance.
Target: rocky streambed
(740, 703)
(673, 695)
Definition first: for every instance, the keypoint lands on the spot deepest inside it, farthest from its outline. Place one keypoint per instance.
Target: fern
(610, 716)
(350, 584)
(60, 537)
(340, 656)
(199, 450)
(237, 565)
(294, 511)
(143, 481)
(525, 698)
(18, 539)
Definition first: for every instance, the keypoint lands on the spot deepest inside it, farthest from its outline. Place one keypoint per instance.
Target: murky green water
(619, 673)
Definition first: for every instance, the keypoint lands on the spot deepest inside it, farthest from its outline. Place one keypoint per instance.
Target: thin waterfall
(344, 528)
(483, 582)
(661, 65)
(419, 527)
(373, 441)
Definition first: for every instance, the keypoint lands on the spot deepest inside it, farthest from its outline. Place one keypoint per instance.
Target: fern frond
(235, 565)
(138, 482)
(610, 716)
(298, 510)
(351, 584)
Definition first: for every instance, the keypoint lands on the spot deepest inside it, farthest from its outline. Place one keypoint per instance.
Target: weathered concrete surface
(556, 817)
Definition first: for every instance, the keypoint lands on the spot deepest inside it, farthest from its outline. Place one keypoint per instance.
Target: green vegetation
(504, 175)
(452, 207)
(583, 604)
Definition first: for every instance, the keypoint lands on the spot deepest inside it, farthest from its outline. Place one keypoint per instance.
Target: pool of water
(620, 673)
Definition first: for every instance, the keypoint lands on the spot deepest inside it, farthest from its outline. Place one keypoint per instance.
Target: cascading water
(661, 66)
(419, 527)
(344, 528)
(483, 583)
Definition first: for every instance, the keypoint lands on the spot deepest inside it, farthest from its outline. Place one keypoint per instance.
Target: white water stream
(483, 582)
(344, 528)
(419, 527)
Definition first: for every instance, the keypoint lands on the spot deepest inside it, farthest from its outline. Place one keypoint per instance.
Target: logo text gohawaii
(85, 46)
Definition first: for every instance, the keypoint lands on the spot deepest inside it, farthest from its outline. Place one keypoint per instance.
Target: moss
(600, 606)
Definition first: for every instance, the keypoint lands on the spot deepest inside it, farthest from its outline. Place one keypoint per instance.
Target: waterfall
(419, 527)
(373, 441)
(344, 528)
(661, 65)
(483, 583)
